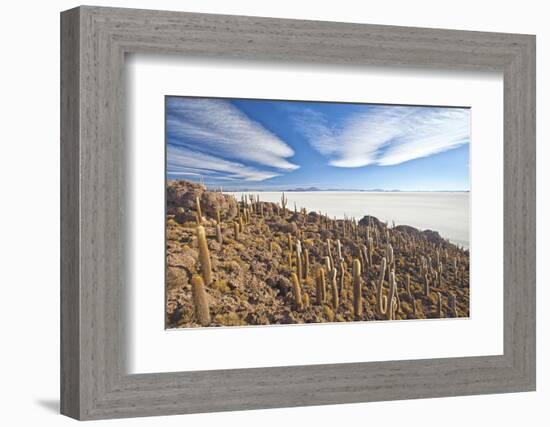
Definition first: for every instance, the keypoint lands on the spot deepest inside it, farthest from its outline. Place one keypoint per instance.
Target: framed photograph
(262, 213)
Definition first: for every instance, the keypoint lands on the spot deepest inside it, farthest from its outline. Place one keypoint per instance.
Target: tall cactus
(306, 263)
(380, 308)
(200, 301)
(343, 274)
(204, 255)
(439, 305)
(284, 201)
(327, 264)
(409, 285)
(334, 289)
(357, 297)
(321, 286)
(426, 286)
(299, 259)
(392, 303)
(339, 248)
(329, 253)
(198, 211)
(297, 290)
(452, 305)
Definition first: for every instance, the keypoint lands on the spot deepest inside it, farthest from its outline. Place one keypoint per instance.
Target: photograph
(293, 212)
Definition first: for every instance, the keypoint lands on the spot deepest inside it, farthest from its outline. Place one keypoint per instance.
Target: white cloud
(220, 129)
(385, 135)
(183, 161)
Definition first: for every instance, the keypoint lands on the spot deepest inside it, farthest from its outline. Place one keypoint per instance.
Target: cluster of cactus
(347, 257)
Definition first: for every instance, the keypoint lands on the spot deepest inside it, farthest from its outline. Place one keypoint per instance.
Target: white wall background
(29, 214)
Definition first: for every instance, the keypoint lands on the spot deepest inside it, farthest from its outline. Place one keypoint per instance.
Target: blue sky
(276, 145)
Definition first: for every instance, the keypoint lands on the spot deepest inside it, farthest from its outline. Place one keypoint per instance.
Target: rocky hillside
(247, 262)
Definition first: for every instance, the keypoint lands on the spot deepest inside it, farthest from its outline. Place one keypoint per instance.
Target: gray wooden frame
(94, 41)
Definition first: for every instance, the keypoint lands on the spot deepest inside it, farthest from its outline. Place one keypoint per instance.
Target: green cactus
(204, 255)
(200, 301)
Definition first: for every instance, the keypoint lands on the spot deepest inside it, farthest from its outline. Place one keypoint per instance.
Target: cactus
(299, 259)
(241, 224)
(218, 216)
(329, 253)
(452, 305)
(289, 241)
(439, 305)
(426, 286)
(409, 285)
(390, 260)
(357, 298)
(305, 300)
(204, 255)
(200, 301)
(198, 211)
(371, 247)
(413, 302)
(283, 203)
(339, 248)
(236, 230)
(391, 302)
(343, 274)
(380, 308)
(297, 292)
(219, 236)
(334, 289)
(306, 263)
(321, 286)
(328, 264)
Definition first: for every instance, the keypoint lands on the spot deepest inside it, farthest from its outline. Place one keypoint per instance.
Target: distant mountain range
(311, 189)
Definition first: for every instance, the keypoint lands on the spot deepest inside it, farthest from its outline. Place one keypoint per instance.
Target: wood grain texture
(94, 381)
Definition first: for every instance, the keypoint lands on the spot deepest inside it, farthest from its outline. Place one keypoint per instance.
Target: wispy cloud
(216, 137)
(385, 135)
(183, 161)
